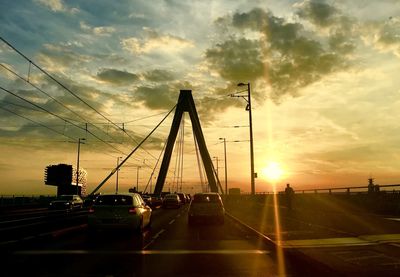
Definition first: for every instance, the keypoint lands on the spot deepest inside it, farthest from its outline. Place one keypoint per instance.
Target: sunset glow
(272, 172)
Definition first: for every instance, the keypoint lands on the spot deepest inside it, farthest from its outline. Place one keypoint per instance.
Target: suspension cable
(130, 154)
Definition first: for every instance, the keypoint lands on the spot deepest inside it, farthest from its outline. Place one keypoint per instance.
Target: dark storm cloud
(287, 55)
(117, 77)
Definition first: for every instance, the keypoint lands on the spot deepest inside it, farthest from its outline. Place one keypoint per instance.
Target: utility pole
(248, 108)
(226, 167)
(77, 165)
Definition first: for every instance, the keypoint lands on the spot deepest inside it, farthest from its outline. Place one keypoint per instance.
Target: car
(156, 200)
(119, 211)
(171, 200)
(147, 199)
(206, 207)
(182, 197)
(66, 202)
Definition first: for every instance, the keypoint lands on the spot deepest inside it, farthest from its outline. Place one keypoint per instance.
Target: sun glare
(272, 171)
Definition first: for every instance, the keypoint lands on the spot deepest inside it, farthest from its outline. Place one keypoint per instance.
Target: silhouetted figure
(289, 193)
(371, 186)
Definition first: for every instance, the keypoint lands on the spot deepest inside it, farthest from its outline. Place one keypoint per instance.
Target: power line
(60, 117)
(58, 132)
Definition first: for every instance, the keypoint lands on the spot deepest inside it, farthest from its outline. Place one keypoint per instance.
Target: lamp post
(116, 183)
(216, 158)
(226, 167)
(137, 179)
(77, 164)
(248, 108)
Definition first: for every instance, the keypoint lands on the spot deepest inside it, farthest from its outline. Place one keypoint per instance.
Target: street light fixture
(226, 167)
(116, 183)
(248, 108)
(77, 164)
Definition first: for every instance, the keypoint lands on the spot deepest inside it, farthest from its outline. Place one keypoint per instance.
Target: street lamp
(248, 108)
(226, 167)
(77, 164)
(116, 183)
(137, 179)
(216, 158)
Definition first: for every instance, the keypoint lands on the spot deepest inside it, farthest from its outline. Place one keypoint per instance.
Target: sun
(273, 171)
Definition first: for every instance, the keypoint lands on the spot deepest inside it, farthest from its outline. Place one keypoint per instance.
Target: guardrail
(348, 190)
(25, 200)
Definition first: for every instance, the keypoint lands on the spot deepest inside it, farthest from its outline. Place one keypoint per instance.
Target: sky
(324, 81)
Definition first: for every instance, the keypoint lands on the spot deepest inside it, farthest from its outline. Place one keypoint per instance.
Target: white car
(206, 207)
(127, 211)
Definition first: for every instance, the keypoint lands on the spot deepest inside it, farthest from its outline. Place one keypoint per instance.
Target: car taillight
(132, 210)
(91, 210)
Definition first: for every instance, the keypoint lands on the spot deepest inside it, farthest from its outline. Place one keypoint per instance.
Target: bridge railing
(25, 200)
(395, 188)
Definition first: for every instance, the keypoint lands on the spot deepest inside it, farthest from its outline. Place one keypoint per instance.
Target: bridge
(325, 232)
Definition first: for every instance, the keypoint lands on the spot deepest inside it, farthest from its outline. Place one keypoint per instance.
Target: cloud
(99, 31)
(59, 58)
(319, 13)
(154, 41)
(56, 6)
(159, 97)
(384, 37)
(159, 75)
(286, 54)
(236, 59)
(117, 77)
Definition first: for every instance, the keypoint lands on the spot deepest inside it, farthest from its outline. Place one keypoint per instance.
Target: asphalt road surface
(169, 248)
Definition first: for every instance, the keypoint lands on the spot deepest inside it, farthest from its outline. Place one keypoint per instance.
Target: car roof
(124, 194)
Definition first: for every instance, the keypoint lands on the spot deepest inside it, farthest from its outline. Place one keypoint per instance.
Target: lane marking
(172, 221)
(143, 252)
(393, 218)
(147, 245)
(158, 234)
(345, 241)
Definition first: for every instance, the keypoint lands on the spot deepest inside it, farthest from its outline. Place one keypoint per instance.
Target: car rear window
(204, 198)
(114, 200)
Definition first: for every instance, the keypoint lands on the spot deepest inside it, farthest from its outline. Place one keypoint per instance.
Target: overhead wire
(70, 91)
(31, 120)
(60, 117)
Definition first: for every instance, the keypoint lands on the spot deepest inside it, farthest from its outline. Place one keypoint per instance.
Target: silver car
(126, 210)
(206, 207)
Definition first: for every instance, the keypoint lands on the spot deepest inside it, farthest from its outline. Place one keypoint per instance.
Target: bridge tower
(186, 104)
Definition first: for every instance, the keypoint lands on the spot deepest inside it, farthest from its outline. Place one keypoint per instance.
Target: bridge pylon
(186, 104)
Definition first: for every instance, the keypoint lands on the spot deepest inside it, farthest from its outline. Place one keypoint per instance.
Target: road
(169, 248)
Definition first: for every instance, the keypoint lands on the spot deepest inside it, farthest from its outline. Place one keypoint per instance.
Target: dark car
(66, 202)
(182, 197)
(171, 200)
(206, 207)
(147, 199)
